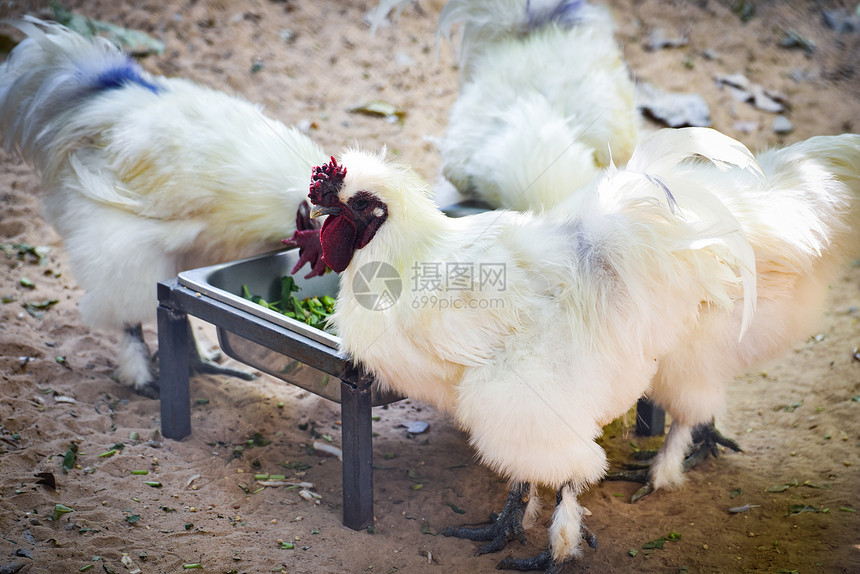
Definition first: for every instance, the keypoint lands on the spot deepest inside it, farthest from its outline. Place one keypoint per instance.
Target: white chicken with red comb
(144, 176)
(617, 285)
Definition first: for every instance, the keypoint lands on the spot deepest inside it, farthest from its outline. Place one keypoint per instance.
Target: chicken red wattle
(337, 238)
(349, 226)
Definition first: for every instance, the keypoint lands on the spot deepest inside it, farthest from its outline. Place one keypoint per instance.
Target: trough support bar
(650, 419)
(174, 341)
(357, 449)
(174, 345)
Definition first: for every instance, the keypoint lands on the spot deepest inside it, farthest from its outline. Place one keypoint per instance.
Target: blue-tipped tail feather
(49, 76)
(121, 76)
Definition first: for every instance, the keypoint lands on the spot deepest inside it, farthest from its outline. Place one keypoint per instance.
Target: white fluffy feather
(545, 101)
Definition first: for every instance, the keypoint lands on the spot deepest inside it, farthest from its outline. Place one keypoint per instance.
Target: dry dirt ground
(309, 62)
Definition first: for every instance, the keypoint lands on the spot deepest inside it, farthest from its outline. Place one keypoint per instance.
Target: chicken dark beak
(320, 211)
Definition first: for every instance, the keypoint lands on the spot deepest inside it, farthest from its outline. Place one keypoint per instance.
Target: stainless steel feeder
(273, 343)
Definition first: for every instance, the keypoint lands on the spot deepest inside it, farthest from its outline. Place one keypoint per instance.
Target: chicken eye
(360, 204)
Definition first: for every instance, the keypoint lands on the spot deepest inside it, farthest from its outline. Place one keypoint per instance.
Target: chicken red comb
(325, 183)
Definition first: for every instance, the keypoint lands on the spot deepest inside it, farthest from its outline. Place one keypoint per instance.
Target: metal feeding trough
(262, 276)
(275, 344)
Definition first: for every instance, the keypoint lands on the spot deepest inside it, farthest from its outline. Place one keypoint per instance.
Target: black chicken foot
(199, 364)
(544, 560)
(206, 367)
(507, 526)
(635, 471)
(647, 456)
(639, 475)
(706, 440)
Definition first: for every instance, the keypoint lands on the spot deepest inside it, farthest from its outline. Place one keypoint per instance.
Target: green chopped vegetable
(658, 544)
(379, 108)
(259, 440)
(194, 566)
(59, 510)
(70, 457)
(313, 311)
(152, 483)
(140, 472)
(22, 250)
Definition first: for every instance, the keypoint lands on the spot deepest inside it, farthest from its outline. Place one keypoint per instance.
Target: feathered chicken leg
(694, 444)
(546, 560)
(137, 365)
(507, 526)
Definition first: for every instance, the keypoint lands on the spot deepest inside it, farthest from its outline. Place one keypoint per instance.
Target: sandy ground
(309, 62)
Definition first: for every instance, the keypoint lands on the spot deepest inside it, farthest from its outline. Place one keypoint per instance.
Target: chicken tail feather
(47, 77)
(711, 224)
(667, 148)
(486, 21)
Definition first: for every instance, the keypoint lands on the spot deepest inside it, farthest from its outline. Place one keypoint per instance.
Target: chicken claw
(199, 362)
(207, 367)
(544, 561)
(507, 526)
(705, 441)
(706, 438)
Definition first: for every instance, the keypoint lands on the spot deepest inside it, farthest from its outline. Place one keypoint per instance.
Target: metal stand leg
(650, 419)
(357, 455)
(174, 345)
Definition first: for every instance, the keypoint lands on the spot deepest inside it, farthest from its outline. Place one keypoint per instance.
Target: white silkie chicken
(144, 176)
(545, 104)
(534, 331)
